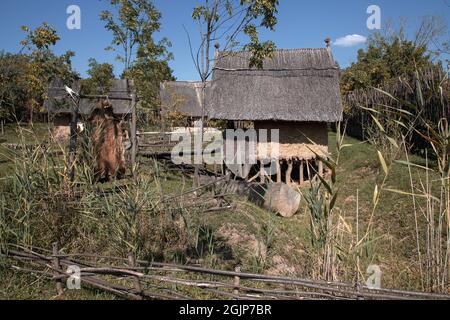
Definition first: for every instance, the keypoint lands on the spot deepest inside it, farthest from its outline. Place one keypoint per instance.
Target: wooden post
(321, 168)
(302, 174)
(308, 169)
(289, 173)
(133, 133)
(262, 172)
(237, 281)
(278, 172)
(73, 143)
(56, 265)
(136, 280)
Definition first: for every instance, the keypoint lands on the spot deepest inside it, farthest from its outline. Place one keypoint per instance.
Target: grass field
(261, 242)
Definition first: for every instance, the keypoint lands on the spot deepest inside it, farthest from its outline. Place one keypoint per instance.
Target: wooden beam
(97, 96)
(302, 169)
(73, 142)
(262, 172)
(279, 178)
(321, 168)
(308, 169)
(289, 173)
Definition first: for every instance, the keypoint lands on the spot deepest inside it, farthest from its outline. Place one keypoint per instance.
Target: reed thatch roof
(294, 85)
(182, 96)
(58, 101)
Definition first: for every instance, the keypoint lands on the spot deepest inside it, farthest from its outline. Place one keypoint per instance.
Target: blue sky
(302, 24)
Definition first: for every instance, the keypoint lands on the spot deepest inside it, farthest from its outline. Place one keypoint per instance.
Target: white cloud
(350, 40)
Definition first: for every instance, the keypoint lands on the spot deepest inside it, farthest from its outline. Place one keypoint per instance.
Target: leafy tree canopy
(100, 77)
(25, 76)
(392, 55)
(145, 61)
(223, 21)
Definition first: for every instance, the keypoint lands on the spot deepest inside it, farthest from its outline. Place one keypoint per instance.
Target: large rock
(282, 199)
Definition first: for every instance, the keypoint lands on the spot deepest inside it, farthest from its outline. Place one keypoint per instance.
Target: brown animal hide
(108, 145)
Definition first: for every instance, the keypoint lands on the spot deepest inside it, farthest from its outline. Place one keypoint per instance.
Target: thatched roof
(294, 85)
(58, 101)
(182, 96)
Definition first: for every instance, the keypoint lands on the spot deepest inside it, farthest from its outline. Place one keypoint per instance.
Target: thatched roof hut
(182, 96)
(294, 85)
(61, 106)
(119, 94)
(296, 92)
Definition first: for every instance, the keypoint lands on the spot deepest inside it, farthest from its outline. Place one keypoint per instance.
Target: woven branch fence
(428, 92)
(138, 280)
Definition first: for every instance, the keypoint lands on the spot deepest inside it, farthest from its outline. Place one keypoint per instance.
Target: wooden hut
(183, 98)
(60, 107)
(297, 92)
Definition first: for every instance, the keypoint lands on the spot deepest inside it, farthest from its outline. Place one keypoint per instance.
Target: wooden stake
(289, 173)
(321, 168)
(308, 169)
(278, 171)
(237, 281)
(262, 172)
(73, 143)
(56, 265)
(302, 168)
(133, 133)
(136, 280)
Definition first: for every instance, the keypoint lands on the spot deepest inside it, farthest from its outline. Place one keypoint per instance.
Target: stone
(282, 199)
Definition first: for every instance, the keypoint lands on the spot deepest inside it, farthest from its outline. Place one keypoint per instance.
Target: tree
(147, 76)
(41, 38)
(13, 88)
(100, 78)
(433, 33)
(44, 65)
(221, 22)
(145, 61)
(24, 77)
(391, 55)
(133, 30)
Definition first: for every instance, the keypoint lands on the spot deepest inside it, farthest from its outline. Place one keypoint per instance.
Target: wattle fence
(137, 280)
(427, 93)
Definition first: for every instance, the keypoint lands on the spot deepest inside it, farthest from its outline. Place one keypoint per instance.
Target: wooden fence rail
(138, 279)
